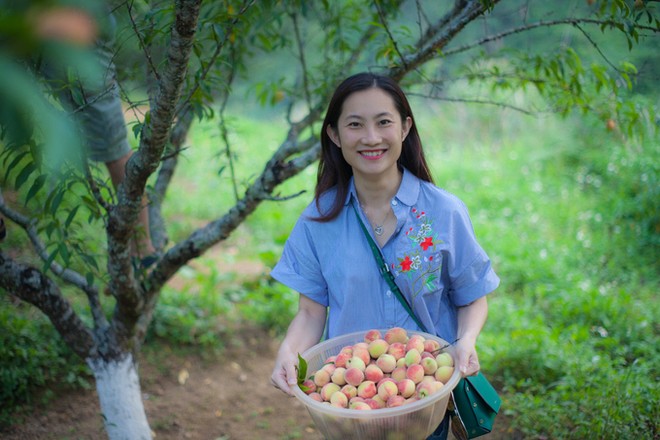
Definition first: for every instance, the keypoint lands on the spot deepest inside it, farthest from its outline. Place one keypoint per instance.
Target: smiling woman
(370, 133)
(373, 170)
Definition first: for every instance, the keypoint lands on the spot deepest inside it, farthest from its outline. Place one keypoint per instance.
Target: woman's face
(370, 133)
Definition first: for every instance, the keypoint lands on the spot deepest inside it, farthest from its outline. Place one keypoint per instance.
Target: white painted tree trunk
(118, 386)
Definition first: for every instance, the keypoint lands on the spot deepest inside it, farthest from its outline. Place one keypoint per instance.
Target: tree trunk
(118, 387)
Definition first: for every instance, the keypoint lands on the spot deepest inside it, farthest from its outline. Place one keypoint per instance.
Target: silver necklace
(378, 229)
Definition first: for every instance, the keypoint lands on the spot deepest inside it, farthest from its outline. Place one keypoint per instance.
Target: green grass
(567, 211)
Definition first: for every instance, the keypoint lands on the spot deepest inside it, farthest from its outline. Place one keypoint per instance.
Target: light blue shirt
(433, 254)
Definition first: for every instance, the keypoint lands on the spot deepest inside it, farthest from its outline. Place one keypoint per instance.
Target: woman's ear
(405, 127)
(332, 134)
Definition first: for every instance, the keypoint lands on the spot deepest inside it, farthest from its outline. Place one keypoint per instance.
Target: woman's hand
(304, 331)
(467, 360)
(285, 372)
(471, 319)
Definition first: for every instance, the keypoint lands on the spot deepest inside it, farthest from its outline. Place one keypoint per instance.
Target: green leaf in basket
(302, 372)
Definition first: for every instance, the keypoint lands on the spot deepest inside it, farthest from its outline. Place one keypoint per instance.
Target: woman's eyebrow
(379, 115)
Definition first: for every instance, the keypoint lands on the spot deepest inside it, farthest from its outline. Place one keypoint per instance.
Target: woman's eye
(353, 124)
(385, 122)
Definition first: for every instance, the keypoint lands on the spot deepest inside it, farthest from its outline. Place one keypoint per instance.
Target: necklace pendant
(378, 230)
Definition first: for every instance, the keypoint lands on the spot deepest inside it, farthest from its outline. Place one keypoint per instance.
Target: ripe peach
(316, 396)
(321, 377)
(443, 373)
(373, 373)
(444, 358)
(375, 404)
(429, 364)
(611, 124)
(356, 362)
(386, 362)
(381, 403)
(396, 334)
(427, 388)
(372, 335)
(413, 357)
(367, 389)
(426, 379)
(362, 353)
(342, 358)
(394, 401)
(415, 373)
(330, 368)
(349, 390)
(431, 345)
(339, 376)
(339, 400)
(328, 390)
(360, 406)
(387, 389)
(415, 341)
(411, 399)
(353, 376)
(426, 354)
(401, 362)
(355, 399)
(330, 360)
(399, 373)
(397, 349)
(309, 385)
(383, 380)
(378, 347)
(406, 387)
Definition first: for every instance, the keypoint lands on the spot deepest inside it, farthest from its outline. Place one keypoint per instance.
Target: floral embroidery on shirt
(422, 262)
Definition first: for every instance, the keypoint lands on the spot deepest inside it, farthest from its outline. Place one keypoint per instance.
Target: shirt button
(388, 293)
(394, 202)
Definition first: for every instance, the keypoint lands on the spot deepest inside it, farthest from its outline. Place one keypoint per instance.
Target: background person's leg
(143, 246)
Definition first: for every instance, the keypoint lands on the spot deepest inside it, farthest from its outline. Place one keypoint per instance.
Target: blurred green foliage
(33, 356)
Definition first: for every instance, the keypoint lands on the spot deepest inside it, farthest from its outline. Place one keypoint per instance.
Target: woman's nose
(371, 136)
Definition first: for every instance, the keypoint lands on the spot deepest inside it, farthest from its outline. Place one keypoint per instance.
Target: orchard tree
(188, 58)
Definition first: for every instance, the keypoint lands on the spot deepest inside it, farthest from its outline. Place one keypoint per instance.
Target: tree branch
(183, 106)
(143, 46)
(301, 56)
(383, 20)
(30, 285)
(600, 52)
(538, 24)
(67, 275)
(165, 174)
(224, 133)
(473, 101)
(435, 40)
(154, 135)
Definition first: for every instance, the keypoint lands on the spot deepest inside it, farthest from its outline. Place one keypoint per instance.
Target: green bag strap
(384, 270)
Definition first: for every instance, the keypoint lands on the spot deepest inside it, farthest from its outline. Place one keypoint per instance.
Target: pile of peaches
(384, 371)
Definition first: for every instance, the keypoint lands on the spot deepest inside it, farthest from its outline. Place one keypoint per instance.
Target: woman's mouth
(372, 154)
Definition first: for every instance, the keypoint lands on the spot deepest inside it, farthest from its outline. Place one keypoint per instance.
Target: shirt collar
(407, 194)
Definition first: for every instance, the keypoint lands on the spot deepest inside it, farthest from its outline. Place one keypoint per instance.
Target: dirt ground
(187, 397)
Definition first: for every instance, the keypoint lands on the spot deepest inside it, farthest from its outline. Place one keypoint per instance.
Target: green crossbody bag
(474, 402)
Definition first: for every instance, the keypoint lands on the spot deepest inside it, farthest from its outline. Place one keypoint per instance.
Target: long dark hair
(333, 168)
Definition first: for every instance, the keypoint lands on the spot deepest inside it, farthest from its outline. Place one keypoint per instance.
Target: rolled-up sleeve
(299, 267)
(471, 272)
